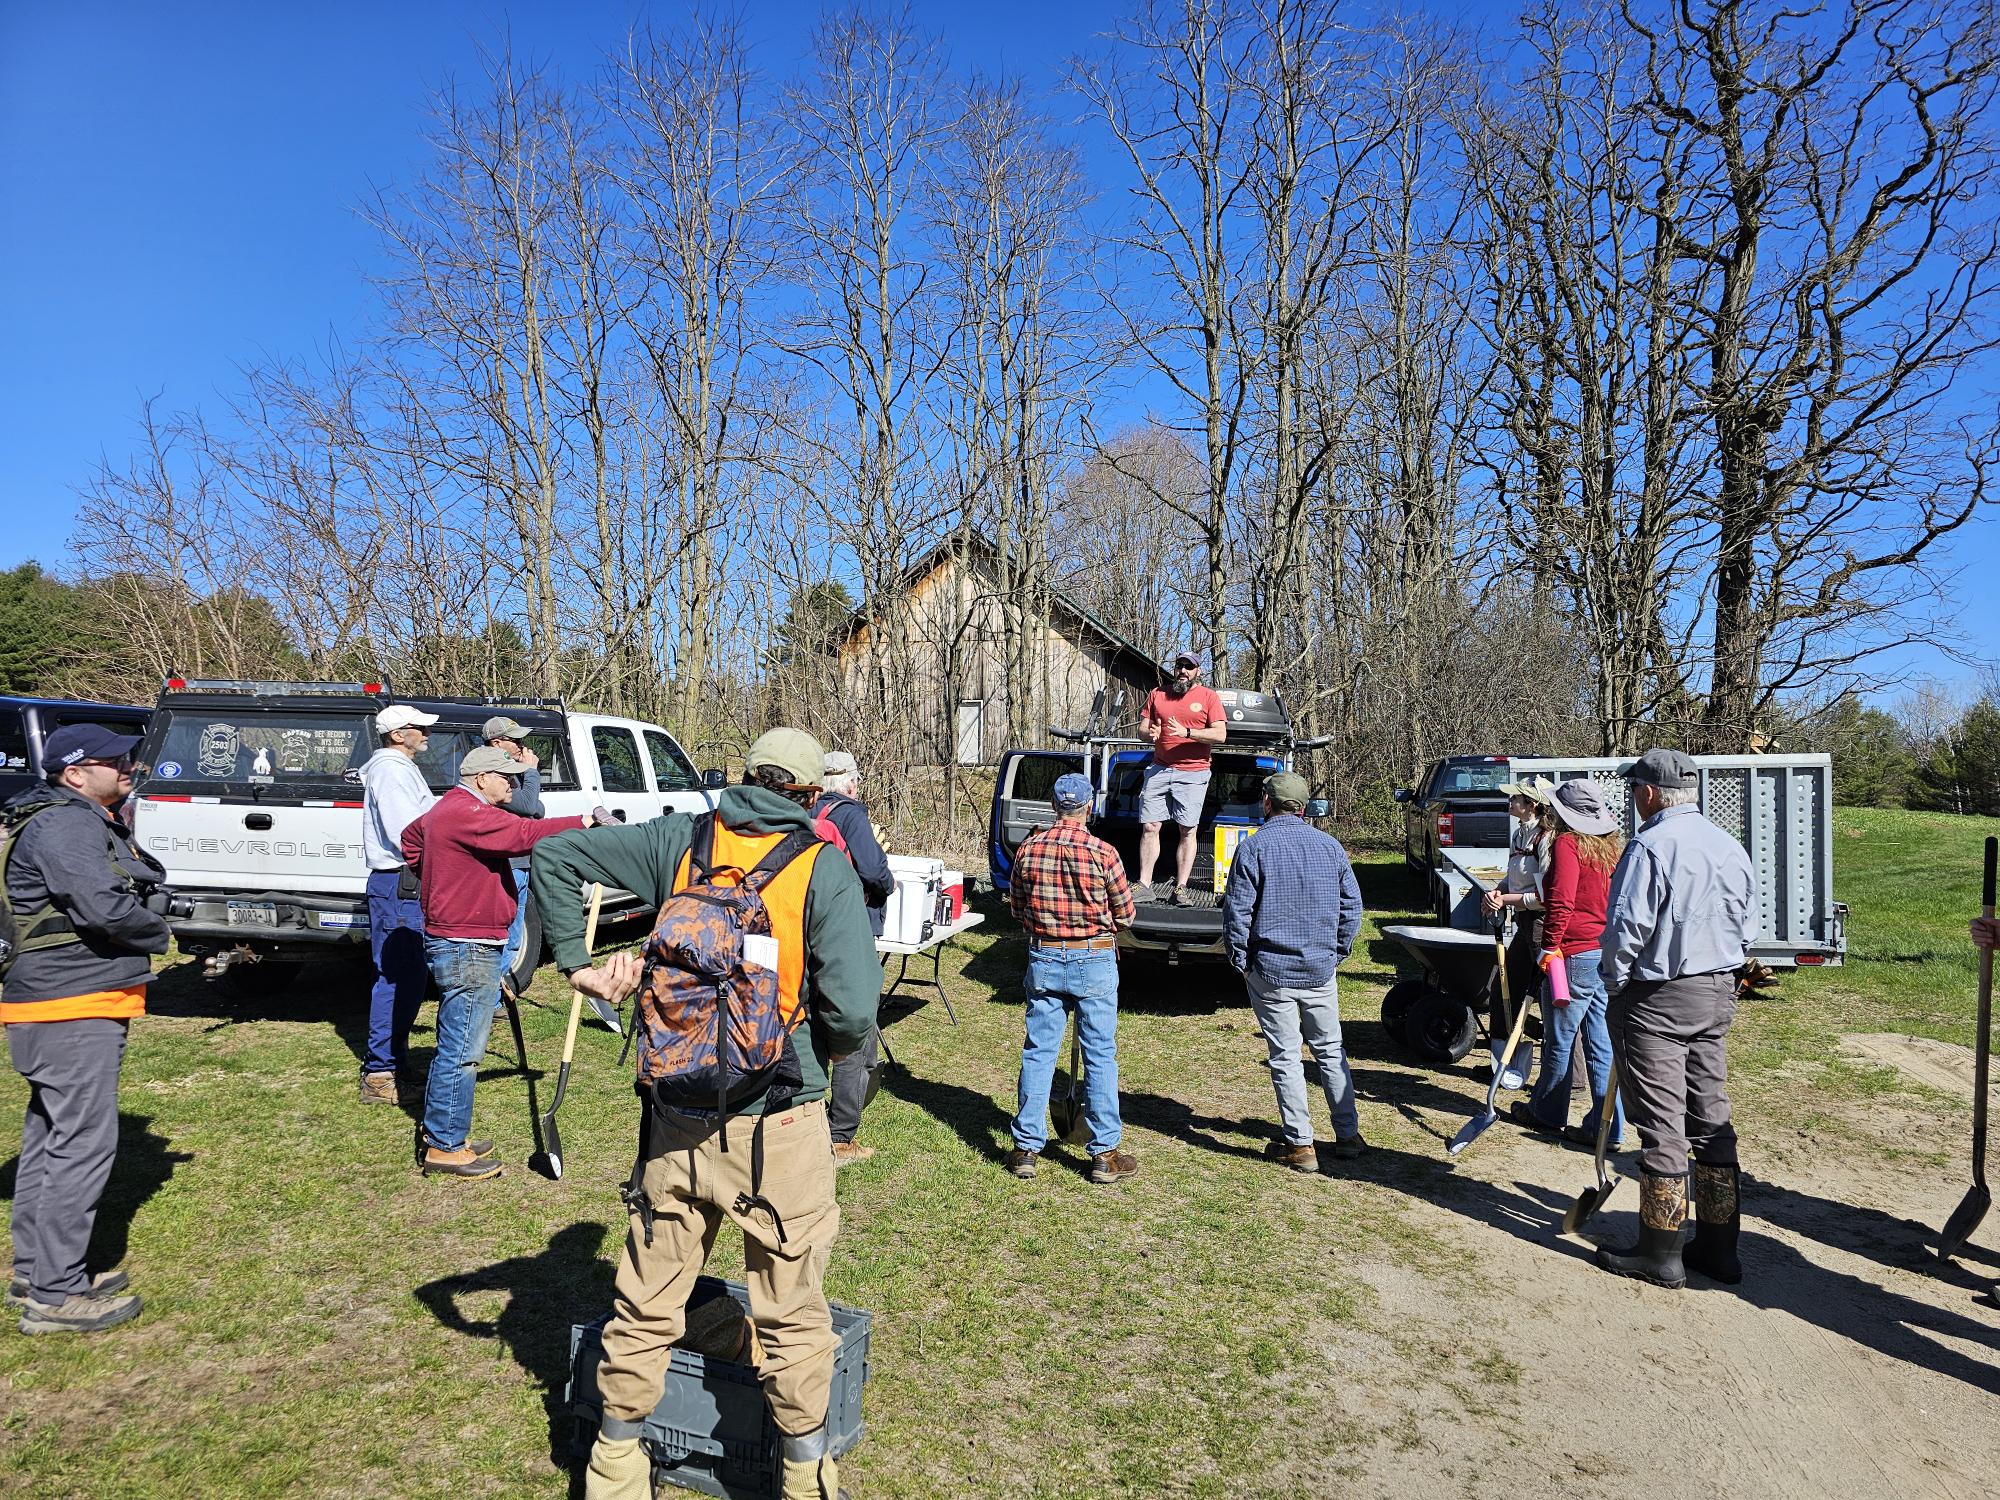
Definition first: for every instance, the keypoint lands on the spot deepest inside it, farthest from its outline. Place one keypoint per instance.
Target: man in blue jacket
(1290, 915)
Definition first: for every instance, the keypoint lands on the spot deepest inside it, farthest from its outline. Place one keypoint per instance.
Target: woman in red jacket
(1576, 885)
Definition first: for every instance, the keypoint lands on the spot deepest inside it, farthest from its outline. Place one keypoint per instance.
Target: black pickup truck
(1457, 804)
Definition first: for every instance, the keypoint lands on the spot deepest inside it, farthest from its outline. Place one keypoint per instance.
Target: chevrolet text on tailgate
(251, 797)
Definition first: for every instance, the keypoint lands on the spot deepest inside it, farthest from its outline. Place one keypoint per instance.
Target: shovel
(1476, 1126)
(1591, 1199)
(1066, 1111)
(513, 1004)
(1978, 1198)
(549, 1161)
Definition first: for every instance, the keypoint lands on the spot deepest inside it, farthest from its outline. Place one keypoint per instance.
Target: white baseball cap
(402, 716)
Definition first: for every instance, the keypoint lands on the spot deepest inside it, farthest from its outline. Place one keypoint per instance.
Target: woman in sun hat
(1576, 886)
(1520, 893)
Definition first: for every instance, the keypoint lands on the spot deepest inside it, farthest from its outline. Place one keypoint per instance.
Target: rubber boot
(1657, 1257)
(1718, 1218)
(619, 1470)
(812, 1479)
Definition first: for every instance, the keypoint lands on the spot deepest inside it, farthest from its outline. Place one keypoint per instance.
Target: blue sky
(178, 187)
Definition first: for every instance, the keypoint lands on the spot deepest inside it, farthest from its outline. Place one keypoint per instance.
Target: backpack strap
(779, 855)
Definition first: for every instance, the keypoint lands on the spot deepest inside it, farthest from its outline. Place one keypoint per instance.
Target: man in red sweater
(460, 850)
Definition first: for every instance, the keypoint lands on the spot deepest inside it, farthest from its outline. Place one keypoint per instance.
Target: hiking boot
(1113, 1166)
(1179, 897)
(1022, 1164)
(1718, 1219)
(1347, 1147)
(1299, 1158)
(1586, 1137)
(846, 1153)
(1657, 1255)
(379, 1088)
(464, 1162)
(80, 1314)
(103, 1284)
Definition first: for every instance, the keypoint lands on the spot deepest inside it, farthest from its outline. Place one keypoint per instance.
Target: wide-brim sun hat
(1581, 808)
(1535, 790)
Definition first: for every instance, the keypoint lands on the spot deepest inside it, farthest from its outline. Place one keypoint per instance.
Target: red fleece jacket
(1573, 899)
(460, 850)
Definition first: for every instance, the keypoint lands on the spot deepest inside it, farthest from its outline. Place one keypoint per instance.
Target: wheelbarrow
(1438, 1016)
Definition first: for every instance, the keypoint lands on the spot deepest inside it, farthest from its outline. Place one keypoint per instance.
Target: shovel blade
(1469, 1132)
(1964, 1219)
(1588, 1202)
(549, 1162)
(606, 1013)
(1066, 1110)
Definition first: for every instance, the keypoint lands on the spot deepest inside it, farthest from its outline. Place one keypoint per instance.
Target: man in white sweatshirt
(394, 795)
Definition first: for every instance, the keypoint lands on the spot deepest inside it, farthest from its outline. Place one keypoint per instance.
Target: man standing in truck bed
(1185, 721)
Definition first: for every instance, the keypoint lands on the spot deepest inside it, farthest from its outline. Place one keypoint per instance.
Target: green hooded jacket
(843, 976)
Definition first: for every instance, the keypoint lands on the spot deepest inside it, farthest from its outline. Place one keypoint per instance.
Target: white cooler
(912, 907)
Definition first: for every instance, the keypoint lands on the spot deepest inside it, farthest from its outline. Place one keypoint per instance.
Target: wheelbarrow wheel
(1397, 1004)
(1440, 1028)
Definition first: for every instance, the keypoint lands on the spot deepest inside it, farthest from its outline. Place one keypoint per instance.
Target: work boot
(1657, 1256)
(812, 1479)
(846, 1153)
(1347, 1147)
(80, 1314)
(103, 1284)
(379, 1088)
(1299, 1158)
(464, 1162)
(1022, 1164)
(1113, 1166)
(1718, 1218)
(619, 1470)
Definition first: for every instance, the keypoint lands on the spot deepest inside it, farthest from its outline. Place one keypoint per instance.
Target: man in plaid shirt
(1069, 891)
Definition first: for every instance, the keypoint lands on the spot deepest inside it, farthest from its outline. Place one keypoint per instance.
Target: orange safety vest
(784, 899)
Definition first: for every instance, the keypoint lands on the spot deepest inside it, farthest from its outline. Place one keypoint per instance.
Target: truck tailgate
(207, 844)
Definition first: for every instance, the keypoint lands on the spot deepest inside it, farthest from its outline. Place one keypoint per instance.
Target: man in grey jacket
(1290, 914)
(394, 795)
(88, 912)
(1678, 925)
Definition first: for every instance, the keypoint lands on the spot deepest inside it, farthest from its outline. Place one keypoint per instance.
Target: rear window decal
(216, 757)
(167, 770)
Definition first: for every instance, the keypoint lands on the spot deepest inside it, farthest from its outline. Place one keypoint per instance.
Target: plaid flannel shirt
(1069, 884)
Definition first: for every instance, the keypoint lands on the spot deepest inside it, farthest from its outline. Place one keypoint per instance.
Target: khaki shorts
(1176, 790)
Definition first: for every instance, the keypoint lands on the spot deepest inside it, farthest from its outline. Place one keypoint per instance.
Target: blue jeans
(510, 951)
(1057, 978)
(396, 944)
(1287, 1015)
(467, 975)
(1585, 1016)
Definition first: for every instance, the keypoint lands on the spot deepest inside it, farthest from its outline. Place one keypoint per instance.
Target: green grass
(320, 1320)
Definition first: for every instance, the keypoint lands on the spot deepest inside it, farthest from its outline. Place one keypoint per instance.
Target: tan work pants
(693, 1187)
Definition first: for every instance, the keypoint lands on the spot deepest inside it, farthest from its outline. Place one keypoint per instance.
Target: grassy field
(320, 1320)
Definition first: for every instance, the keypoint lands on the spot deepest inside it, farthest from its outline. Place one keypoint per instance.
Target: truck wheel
(529, 958)
(1440, 1028)
(1396, 1006)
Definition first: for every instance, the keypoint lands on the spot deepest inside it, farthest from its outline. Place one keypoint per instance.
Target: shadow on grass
(567, 1283)
(972, 1116)
(331, 994)
(145, 1164)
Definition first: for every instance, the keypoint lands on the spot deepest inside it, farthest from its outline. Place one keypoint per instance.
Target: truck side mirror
(1319, 807)
(1403, 794)
(712, 780)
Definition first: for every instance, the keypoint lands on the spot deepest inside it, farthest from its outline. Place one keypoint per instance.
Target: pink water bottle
(1558, 972)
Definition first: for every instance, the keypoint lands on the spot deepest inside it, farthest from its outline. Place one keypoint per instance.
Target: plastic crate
(712, 1430)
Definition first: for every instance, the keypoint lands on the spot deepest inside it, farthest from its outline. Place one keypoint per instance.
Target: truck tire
(1439, 1028)
(1396, 1006)
(529, 958)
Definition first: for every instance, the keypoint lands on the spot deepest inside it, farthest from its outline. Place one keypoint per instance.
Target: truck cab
(1260, 744)
(26, 724)
(251, 797)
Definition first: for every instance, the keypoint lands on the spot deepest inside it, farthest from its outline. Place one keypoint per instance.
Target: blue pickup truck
(1260, 743)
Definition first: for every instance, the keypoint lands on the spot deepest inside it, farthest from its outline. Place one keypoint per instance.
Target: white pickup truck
(251, 798)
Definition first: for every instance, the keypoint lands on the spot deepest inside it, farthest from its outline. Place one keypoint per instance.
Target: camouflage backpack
(712, 1026)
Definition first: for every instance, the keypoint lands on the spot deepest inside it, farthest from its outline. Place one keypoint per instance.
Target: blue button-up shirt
(1683, 901)
(1292, 908)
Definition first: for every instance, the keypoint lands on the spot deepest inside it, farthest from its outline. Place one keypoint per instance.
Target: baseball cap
(840, 763)
(500, 727)
(1073, 790)
(483, 758)
(1287, 789)
(1193, 658)
(1578, 804)
(79, 742)
(402, 716)
(1667, 768)
(792, 751)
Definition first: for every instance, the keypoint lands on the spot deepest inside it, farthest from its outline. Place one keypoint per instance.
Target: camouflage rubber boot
(1656, 1257)
(1718, 1218)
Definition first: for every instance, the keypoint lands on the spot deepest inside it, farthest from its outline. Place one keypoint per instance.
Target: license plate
(252, 914)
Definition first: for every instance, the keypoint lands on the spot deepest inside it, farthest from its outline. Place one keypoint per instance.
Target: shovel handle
(1982, 1051)
(575, 994)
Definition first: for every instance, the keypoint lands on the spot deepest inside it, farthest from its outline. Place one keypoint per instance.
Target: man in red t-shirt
(1185, 721)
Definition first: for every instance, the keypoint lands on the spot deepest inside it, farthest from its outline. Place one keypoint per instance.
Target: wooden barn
(948, 648)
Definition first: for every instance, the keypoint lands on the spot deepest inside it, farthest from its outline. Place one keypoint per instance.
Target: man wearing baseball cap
(509, 736)
(394, 794)
(1679, 920)
(1069, 891)
(1185, 721)
(89, 913)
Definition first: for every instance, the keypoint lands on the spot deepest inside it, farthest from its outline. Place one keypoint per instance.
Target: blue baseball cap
(1193, 658)
(1073, 791)
(80, 742)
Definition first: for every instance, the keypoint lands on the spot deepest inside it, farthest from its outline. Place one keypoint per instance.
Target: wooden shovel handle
(575, 994)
